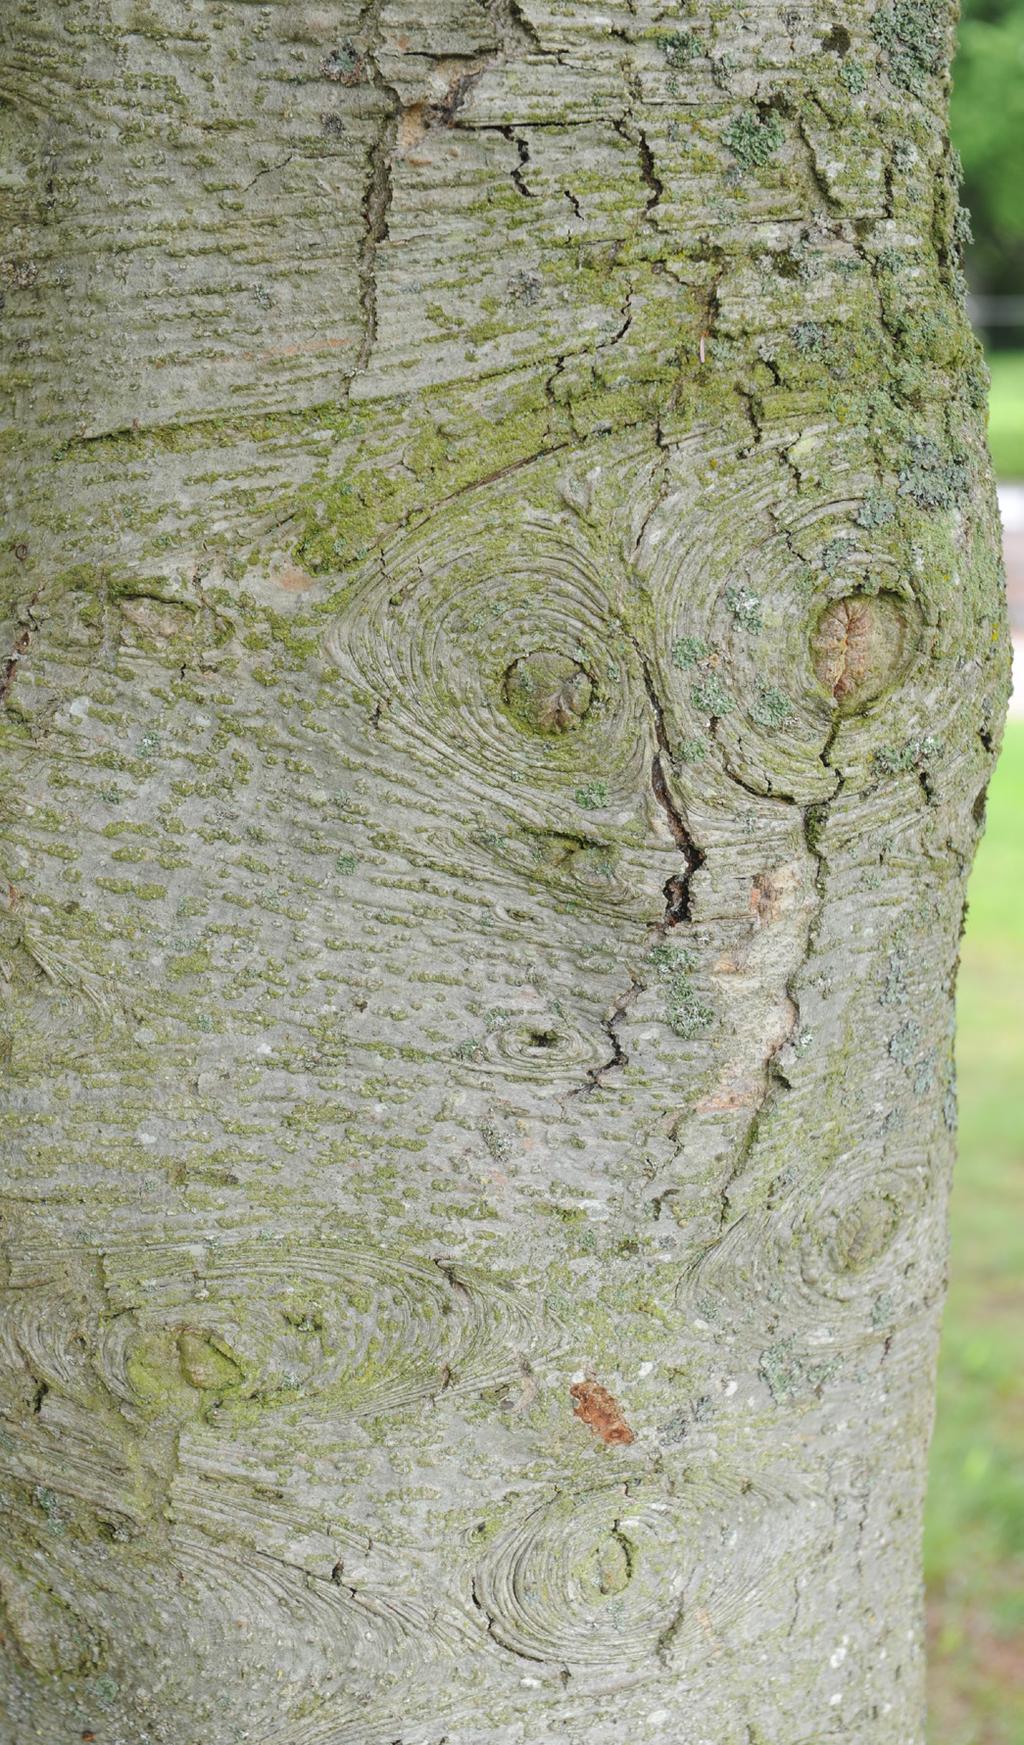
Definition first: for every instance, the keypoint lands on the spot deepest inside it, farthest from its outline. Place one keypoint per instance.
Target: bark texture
(503, 651)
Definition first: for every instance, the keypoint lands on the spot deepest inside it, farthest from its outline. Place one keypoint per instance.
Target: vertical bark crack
(377, 194)
(10, 666)
(517, 27)
(676, 889)
(9, 669)
(814, 820)
(518, 179)
(376, 205)
(636, 137)
(663, 1646)
(610, 1025)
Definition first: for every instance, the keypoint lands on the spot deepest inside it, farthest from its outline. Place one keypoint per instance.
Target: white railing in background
(986, 311)
(1011, 511)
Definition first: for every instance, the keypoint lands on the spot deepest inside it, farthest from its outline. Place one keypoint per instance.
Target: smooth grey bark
(503, 654)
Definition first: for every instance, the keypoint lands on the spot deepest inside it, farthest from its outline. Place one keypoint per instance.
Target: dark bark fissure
(517, 28)
(268, 170)
(517, 31)
(448, 1272)
(520, 1653)
(376, 205)
(663, 1646)
(22, 642)
(377, 195)
(610, 1025)
(817, 175)
(518, 179)
(676, 890)
(635, 136)
(620, 332)
(814, 819)
(10, 666)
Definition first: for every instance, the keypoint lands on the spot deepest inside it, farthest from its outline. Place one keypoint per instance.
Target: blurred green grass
(1006, 413)
(974, 1537)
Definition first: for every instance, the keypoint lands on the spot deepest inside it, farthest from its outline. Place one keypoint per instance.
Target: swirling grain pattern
(503, 656)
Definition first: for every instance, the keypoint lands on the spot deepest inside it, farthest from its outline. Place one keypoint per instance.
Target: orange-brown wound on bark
(548, 692)
(595, 1405)
(860, 645)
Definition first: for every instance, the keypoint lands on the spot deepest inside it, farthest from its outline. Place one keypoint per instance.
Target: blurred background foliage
(974, 1538)
(988, 132)
(974, 1535)
(1006, 404)
(988, 129)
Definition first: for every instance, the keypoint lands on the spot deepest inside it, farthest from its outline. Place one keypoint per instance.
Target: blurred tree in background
(975, 1521)
(988, 127)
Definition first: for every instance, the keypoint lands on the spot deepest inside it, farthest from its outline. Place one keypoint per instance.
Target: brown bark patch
(600, 1412)
(294, 580)
(765, 898)
(412, 128)
(742, 1097)
(860, 646)
(773, 894)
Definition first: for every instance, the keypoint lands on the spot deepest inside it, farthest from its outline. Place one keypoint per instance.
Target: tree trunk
(503, 654)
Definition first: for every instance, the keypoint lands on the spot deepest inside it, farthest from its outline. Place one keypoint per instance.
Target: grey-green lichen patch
(49, 1503)
(498, 1140)
(341, 65)
(687, 1013)
(963, 233)
(710, 695)
(934, 477)
(754, 137)
(905, 1042)
(593, 794)
(914, 34)
(896, 991)
(836, 554)
(794, 1373)
(746, 607)
(809, 336)
(890, 260)
(685, 1420)
(688, 650)
(770, 707)
(876, 510)
(679, 47)
(893, 760)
